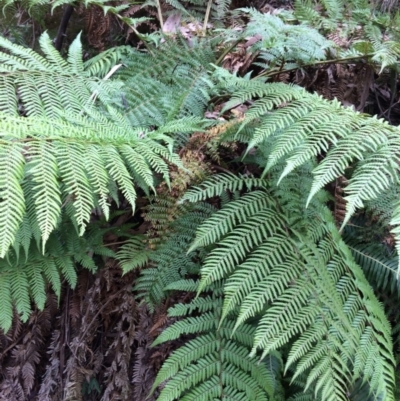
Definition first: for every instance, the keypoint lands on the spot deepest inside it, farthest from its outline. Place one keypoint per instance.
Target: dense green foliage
(283, 299)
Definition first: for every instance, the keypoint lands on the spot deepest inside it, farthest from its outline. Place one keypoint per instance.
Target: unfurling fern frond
(303, 286)
(214, 365)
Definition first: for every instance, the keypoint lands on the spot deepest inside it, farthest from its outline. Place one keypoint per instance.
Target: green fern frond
(223, 221)
(55, 162)
(216, 185)
(214, 365)
(133, 254)
(169, 261)
(175, 85)
(283, 45)
(295, 127)
(46, 189)
(12, 204)
(379, 267)
(299, 284)
(46, 86)
(24, 281)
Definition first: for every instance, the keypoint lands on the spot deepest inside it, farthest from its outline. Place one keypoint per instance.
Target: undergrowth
(183, 220)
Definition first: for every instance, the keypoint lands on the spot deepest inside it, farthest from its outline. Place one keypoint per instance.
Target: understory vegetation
(199, 200)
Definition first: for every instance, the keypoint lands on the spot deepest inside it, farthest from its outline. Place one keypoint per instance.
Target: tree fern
(302, 285)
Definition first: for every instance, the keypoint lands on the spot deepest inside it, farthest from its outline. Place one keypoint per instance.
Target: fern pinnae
(375, 174)
(336, 162)
(156, 162)
(289, 140)
(8, 101)
(224, 220)
(51, 54)
(197, 348)
(102, 63)
(6, 310)
(274, 326)
(261, 293)
(37, 284)
(319, 141)
(22, 57)
(132, 254)
(273, 95)
(75, 55)
(67, 268)
(46, 188)
(12, 204)
(52, 274)
(233, 248)
(216, 185)
(205, 322)
(138, 164)
(71, 162)
(203, 304)
(256, 268)
(20, 291)
(98, 177)
(205, 368)
(278, 120)
(118, 172)
(214, 364)
(29, 92)
(184, 285)
(380, 268)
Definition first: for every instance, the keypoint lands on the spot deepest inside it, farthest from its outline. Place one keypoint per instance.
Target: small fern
(284, 46)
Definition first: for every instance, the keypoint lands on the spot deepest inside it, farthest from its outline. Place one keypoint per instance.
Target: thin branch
(207, 16)
(58, 42)
(160, 17)
(315, 63)
(136, 33)
(230, 48)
